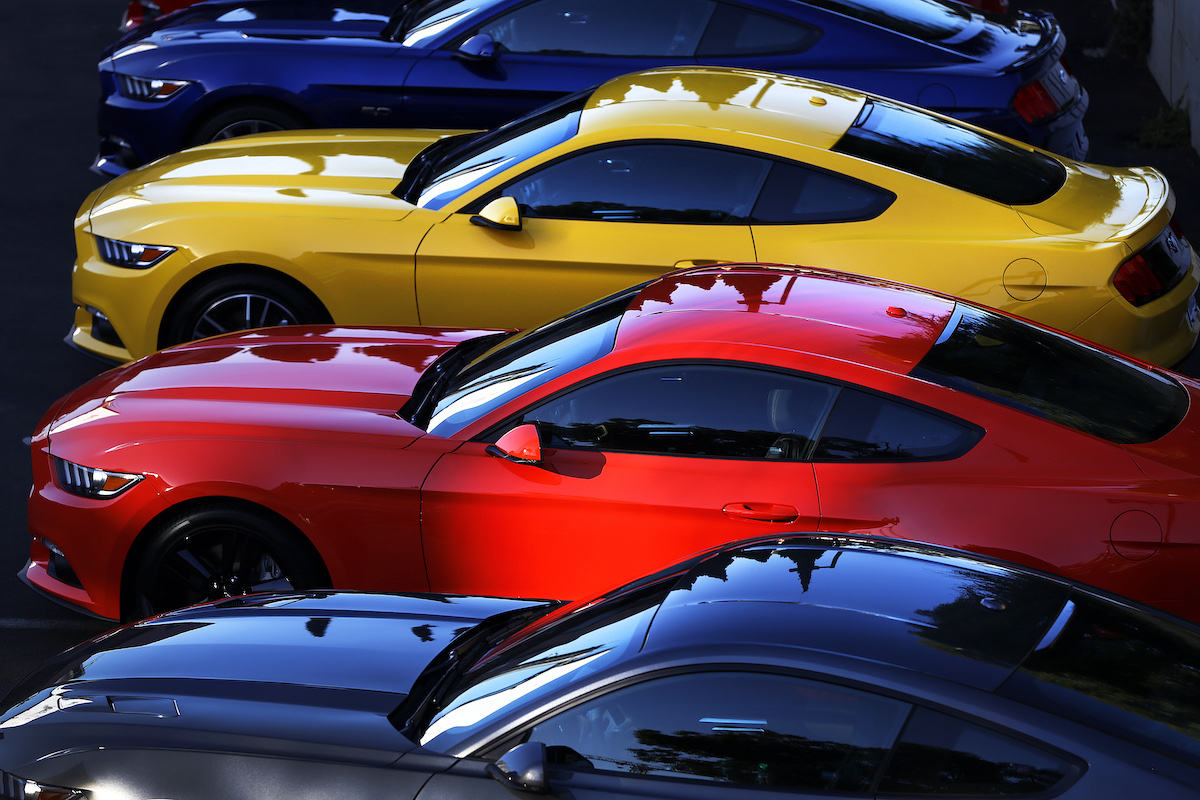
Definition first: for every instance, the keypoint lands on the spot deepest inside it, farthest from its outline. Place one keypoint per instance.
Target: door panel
(476, 276)
(587, 521)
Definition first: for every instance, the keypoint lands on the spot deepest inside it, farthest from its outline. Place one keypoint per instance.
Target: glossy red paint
(302, 422)
(140, 11)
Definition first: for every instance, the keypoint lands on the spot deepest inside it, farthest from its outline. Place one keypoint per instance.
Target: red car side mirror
(521, 445)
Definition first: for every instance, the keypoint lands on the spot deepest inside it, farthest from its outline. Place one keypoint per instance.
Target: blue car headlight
(149, 88)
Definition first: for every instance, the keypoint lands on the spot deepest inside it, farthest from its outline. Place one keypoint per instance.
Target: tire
(219, 551)
(242, 121)
(239, 302)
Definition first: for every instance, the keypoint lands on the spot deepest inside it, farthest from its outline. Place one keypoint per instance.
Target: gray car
(802, 665)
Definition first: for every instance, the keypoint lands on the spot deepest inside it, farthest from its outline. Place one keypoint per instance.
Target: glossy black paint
(308, 694)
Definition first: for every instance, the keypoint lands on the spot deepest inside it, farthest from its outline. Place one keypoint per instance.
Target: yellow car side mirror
(501, 213)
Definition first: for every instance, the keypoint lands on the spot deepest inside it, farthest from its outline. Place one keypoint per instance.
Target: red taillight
(1034, 103)
(1136, 282)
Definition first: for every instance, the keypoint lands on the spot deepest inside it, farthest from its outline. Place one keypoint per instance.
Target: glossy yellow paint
(318, 208)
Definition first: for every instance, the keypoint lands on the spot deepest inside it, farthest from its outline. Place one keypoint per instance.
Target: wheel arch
(198, 281)
(229, 102)
(152, 528)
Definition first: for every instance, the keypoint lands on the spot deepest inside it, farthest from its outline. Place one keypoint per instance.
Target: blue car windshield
(497, 150)
(429, 20)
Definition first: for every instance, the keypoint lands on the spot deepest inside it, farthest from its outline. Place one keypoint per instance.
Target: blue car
(221, 69)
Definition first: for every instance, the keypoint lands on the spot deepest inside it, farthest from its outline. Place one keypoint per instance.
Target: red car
(706, 406)
(140, 11)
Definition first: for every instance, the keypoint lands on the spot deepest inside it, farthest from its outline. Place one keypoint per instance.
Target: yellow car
(648, 172)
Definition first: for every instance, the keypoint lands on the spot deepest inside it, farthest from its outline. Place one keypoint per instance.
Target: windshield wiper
(432, 384)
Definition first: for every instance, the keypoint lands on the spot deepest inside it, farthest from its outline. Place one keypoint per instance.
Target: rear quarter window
(1054, 377)
(951, 154)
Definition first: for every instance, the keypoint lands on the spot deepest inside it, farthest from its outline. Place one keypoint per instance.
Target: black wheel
(242, 121)
(220, 551)
(237, 303)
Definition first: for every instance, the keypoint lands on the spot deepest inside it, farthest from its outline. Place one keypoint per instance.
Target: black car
(801, 665)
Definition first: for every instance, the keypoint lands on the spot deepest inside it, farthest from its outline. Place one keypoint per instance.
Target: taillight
(1136, 282)
(1034, 103)
(1177, 229)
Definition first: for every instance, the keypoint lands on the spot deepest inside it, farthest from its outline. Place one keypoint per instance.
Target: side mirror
(521, 445)
(479, 47)
(522, 768)
(501, 213)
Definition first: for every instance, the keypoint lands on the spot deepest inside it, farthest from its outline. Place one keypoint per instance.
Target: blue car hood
(311, 675)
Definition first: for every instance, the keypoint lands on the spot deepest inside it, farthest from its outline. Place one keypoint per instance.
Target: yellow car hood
(322, 173)
(1101, 203)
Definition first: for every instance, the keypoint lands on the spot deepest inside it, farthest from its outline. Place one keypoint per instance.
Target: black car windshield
(1120, 670)
(481, 157)
(929, 20)
(1055, 377)
(951, 154)
(525, 361)
(561, 649)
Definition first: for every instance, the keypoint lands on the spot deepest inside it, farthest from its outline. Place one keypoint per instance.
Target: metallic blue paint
(330, 64)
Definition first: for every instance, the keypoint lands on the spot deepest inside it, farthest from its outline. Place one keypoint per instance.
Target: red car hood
(306, 378)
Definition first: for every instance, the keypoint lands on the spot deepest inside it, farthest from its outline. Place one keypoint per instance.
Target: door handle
(701, 262)
(764, 512)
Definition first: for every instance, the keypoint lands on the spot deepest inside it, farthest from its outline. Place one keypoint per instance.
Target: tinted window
(939, 754)
(1049, 375)
(665, 28)
(749, 728)
(543, 659)
(794, 193)
(953, 155)
(866, 427)
(528, 360)
(645, 183)
(932, 20)
(1124, 672)
(497, 150)
(702, 410)
(739, 31)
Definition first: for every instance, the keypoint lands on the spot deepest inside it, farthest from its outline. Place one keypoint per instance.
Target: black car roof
(923, 609)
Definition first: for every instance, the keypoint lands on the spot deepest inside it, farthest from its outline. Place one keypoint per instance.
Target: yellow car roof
(732, 99)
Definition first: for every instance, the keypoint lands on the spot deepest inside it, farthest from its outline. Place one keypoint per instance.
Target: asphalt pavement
(47, 138)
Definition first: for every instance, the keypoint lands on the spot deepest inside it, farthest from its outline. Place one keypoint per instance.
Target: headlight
(130, 255)
(14, 788)
(90, 481)
(149, 88)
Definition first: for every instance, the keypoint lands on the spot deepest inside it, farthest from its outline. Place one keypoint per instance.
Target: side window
(664, 28)
(705, 410)
(866, 427)
(740, 31)
(735, 727)
(795, 193)
(939, 754)
(652, 182)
